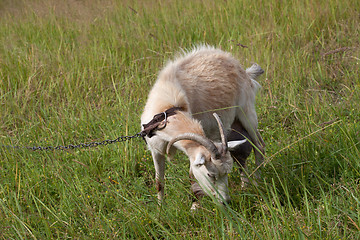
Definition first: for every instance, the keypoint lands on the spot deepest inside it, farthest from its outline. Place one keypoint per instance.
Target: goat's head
(210, 162)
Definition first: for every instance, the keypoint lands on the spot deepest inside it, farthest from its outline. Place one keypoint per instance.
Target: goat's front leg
(159, 163)
(198, 194)
(197, 191)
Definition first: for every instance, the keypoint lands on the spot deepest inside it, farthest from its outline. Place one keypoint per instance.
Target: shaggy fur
(203, 81)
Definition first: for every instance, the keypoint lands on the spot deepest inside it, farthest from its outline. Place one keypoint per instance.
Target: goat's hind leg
(241, 152)
(249, 121)
(259, 160)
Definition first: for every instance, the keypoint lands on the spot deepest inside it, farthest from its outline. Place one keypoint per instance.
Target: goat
(200, 82)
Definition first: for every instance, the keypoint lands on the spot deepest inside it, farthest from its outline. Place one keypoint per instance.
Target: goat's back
(202, 81)
(213, 80)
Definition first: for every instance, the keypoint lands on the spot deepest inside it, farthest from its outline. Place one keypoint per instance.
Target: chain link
(81, 145)
(147, 131)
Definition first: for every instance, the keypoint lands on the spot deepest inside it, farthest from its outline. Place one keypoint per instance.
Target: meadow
(80, 71)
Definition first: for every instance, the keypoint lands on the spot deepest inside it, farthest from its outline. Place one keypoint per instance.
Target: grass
(80, 71)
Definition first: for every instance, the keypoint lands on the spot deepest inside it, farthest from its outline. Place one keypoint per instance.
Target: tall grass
(80, 71)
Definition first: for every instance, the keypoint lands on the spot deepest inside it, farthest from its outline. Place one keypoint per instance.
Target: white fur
(202, 81)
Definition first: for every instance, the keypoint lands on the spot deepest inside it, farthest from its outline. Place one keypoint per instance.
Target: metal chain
(81, 145)
(147, 131)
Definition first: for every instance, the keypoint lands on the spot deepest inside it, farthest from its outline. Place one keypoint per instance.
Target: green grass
(80, 71)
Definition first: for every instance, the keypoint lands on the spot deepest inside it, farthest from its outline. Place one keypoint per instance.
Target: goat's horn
(207, 143)
(222, 133)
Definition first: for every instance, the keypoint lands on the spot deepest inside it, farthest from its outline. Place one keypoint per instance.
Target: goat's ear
(234, 144)
(199, 160)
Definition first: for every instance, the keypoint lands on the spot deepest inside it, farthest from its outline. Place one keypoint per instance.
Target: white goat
(202, 82)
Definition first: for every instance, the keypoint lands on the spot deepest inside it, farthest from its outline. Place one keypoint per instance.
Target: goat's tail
(254, 71)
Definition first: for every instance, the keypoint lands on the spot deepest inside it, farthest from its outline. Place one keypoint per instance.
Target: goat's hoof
(245, 182)
(195, 206)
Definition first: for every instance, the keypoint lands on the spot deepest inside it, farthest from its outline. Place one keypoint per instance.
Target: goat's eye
(212, 176)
